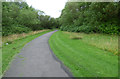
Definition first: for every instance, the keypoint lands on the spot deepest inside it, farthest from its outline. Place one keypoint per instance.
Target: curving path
(36, 60)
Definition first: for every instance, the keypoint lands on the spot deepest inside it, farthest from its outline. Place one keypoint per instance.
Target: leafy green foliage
(18, 17)
(91, 17)
(15, 29)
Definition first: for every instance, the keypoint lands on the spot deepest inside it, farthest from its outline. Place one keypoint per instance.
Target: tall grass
(10, 38)
(102, 41)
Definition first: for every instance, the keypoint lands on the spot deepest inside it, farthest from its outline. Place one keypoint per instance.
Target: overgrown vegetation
(102, 41)
(18, 17)
(91, 17)
(11, 38)
(85, 57)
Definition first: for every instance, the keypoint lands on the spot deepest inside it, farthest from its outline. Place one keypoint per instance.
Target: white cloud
(50, 7)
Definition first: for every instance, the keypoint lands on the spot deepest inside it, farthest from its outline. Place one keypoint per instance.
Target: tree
(91, 17)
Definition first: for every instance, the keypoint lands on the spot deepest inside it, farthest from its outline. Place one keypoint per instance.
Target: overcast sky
(50, 7)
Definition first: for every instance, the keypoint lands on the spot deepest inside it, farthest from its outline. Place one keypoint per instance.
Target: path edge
(54, 56)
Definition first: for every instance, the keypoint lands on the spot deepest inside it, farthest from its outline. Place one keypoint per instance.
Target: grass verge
(14, 47)
(82, 58)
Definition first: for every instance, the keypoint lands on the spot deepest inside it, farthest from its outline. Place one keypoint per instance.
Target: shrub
(109, 28)
(106, 28)
(15, 29)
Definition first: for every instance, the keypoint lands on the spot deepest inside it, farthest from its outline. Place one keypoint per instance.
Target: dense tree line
(18, 17)
(95, 17)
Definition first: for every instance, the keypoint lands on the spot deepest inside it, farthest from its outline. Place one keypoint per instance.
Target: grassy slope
(83, 60)
(9, 51)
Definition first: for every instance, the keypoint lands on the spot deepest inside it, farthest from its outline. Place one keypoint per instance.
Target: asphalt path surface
(36, 60)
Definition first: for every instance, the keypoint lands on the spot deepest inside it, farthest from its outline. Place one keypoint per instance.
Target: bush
(15, 29)
(106, 28)
(109, 28)
(72, 28)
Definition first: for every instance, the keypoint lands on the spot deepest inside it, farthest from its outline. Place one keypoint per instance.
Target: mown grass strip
(9, 51)
(83, 59)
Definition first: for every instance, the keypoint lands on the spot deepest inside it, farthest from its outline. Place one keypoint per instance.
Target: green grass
(83, 59)
(10, 50)
(102, 41)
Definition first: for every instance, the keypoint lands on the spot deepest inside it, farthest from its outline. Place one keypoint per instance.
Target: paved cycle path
(36, 60)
